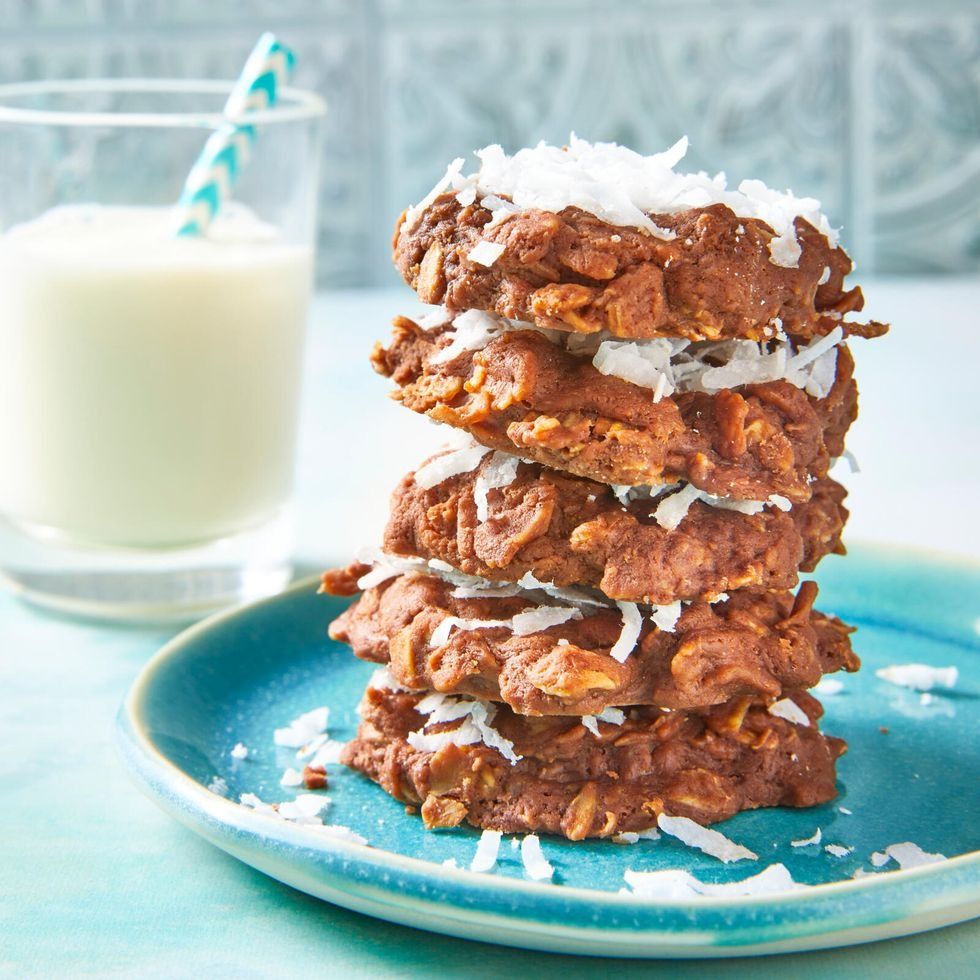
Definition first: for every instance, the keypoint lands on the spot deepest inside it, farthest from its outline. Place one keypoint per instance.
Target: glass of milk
(149, 383)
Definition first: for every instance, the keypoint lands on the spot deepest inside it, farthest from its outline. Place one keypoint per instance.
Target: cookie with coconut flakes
(492, 515)
(521, 391)
(544, 655)
(581, 778)
(596, 237)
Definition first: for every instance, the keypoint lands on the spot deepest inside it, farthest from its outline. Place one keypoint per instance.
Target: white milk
(148, 384)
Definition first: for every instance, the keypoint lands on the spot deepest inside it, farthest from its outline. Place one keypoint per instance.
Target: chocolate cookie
(573, 271)
(754, 643)
(568, 780)
(526, 395)
(572, 531)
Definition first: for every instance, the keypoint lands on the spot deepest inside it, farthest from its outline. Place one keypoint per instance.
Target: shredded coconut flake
(632, 625)
(339, 832)
(533, 620)
(303, 729)
(623, 188)
(239, 751)
(838, 850)
(828, 687)
(291, 777)
(500, 471)
(413, 214)
(815, 839)
(377, 575)
(486, 851)
(447, 465)
(907, 854)
(790, 711)
(472, 330)
(485, 253)
(305, 807)
(672, 885)
(665, 617)
(328, 753)
(634, 836)
(536, 866)
(704, 839)
(612, 716)
(475, 719)
(218, 786)
(919, 677)
(434, 316)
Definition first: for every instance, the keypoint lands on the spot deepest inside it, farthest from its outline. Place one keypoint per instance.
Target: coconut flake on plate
(306, 808)
(919, 677)
(838, 850)
(487, 849)
(907, 855)
(328, 753)
(536, 865)
(674, 884)
(291, 777)
(340, 832)
(254, 803)
(789, 710)
(240, 751)
(485, 253)
(303, 729)
(815, 839)
(828, 687)
(634, 836)
(704, 839)
(218, 785)
(500, 471)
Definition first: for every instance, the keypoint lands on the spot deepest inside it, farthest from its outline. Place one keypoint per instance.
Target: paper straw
(213, 175)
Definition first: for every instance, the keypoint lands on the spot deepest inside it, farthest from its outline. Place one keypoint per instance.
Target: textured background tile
(872, 106)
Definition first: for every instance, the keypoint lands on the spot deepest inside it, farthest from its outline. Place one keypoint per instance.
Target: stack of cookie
(589, 607)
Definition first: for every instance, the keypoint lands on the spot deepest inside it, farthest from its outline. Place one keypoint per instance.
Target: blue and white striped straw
(213, 175)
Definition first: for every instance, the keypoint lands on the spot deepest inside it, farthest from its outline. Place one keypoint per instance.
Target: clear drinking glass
(149, 384)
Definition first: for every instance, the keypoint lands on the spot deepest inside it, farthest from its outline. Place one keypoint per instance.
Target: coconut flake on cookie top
(623, 188)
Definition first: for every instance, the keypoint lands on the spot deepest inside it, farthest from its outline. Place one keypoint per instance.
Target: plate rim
(160, 778)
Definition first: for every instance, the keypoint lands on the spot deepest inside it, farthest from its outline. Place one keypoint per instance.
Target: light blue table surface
(95, 881)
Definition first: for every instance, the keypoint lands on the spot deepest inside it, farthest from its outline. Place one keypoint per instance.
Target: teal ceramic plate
(237, 677)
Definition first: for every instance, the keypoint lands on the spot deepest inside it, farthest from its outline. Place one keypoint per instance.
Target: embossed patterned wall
(871, 105)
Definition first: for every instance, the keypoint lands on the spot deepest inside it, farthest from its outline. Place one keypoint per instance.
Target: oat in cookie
(754, 643)
(705, 765)
(571, 531)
